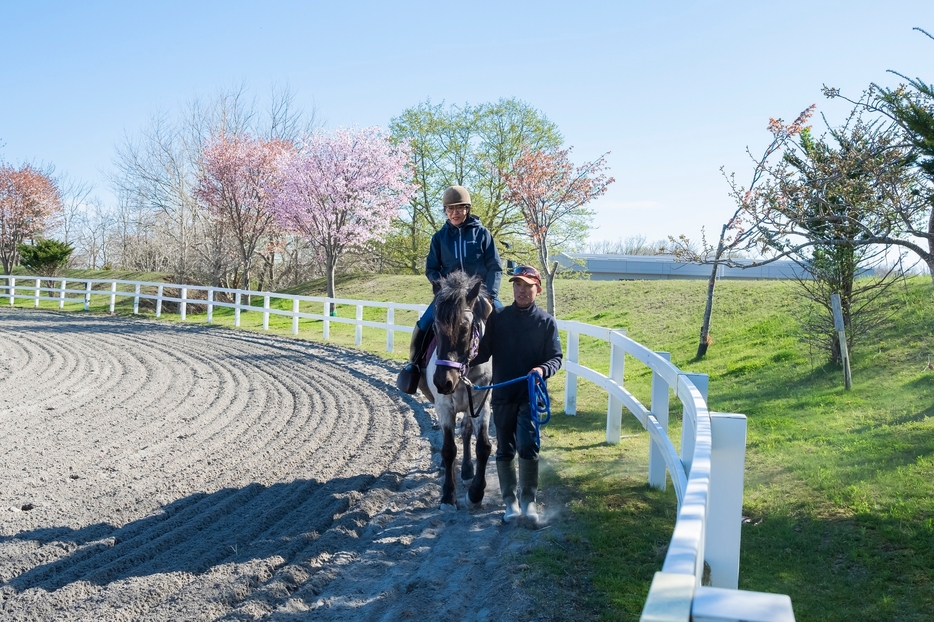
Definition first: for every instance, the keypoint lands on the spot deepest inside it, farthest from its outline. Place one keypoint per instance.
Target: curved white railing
(707, 473)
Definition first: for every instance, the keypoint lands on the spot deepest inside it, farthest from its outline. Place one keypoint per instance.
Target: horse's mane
(451, 299)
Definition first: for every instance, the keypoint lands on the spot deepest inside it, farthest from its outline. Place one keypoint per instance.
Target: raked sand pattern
(157, 471)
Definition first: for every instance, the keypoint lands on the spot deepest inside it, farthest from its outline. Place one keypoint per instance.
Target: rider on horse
(463, 243)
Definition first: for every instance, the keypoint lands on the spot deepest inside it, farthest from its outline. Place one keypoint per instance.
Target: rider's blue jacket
(469, 248)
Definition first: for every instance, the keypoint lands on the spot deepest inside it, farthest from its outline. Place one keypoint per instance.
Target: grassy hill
(839, 484)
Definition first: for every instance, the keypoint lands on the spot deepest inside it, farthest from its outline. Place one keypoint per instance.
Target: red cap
(528, 274)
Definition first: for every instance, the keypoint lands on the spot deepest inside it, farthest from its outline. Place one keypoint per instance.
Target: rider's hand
(541, 372)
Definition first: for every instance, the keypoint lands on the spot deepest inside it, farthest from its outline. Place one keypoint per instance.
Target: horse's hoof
(471, 506)
(447, 507)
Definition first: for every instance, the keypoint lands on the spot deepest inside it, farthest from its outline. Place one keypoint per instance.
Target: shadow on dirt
(202, 531)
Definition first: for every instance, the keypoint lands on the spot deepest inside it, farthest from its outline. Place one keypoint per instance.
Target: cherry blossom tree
(237, 172)
(342, 190)
(29, 199)
(736, 233)
(553, 194)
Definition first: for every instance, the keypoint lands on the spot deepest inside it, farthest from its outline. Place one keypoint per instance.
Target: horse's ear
(474, 293)
(435, 287)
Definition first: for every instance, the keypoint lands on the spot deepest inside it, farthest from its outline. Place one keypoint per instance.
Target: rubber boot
(507, 485)
(528, 490)
(407, 380)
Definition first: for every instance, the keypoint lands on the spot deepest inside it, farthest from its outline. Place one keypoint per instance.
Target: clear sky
(674, 90)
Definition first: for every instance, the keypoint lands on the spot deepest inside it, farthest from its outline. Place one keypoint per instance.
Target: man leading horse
(521, 339)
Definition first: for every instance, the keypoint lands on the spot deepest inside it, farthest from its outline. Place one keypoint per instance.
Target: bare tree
(733, 234)
(157, 172)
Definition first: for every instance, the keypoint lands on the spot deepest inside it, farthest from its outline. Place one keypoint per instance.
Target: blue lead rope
(539, 403)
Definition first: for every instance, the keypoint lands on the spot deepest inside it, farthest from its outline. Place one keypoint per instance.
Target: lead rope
(539, 402)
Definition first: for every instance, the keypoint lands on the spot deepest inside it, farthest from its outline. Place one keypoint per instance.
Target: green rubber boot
(528, 490)
(507, 485)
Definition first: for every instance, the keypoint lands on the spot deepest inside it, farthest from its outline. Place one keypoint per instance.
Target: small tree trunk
(331, 268)
(550, 294)
(708, 310)
(246, 281)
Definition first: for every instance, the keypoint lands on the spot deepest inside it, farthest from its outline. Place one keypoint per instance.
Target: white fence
(31, 288)
(707, 472)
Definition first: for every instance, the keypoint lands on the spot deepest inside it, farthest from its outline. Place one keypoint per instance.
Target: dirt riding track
(156, 471)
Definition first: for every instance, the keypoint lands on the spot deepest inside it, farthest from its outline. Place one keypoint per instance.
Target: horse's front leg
(484, 449)
(448, 453)
(467, 427)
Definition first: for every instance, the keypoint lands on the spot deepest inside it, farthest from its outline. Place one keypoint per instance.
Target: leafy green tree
(46, 257)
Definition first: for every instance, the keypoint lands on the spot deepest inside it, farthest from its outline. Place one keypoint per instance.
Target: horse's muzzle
(446, 380)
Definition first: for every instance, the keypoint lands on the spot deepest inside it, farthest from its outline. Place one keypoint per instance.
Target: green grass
(839, 484)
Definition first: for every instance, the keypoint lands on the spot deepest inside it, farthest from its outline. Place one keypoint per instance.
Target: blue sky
(673, 90)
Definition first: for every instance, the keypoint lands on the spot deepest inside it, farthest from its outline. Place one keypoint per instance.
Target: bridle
(463, 366)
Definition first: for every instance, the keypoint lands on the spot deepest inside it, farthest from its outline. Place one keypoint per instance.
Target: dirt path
(168, 472)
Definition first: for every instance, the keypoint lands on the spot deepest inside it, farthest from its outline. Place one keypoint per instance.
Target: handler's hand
(541, 372)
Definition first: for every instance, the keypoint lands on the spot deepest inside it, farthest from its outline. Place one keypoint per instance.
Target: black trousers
(515, 432)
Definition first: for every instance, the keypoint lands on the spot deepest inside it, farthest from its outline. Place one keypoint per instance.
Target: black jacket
(469, 248)
(518, 340)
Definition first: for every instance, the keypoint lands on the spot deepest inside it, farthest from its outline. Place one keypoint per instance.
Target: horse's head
(461, 308)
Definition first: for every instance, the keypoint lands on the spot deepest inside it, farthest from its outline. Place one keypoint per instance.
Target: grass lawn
(839, 484)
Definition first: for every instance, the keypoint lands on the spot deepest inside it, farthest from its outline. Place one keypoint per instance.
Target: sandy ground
(156, 471)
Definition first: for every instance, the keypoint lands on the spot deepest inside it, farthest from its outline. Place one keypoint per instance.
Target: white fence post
(61, 295)
(87, 295)
(295, 316)
(390, 333)
(358, 329)
(327, 323)
(237, 310)
(136, 299)
(725, 499)
(12, 281)
(38, 286)
(183, 305)
(113, 296)
(688, 431)
(265, 311)
(659, 406)
(159, 302)
(614, 407)
(570, 379)
(210, 309)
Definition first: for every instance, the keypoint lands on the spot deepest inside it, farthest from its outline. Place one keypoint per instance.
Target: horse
(461, 309)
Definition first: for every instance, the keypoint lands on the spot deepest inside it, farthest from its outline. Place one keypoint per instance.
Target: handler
(521, 338)
(462, 243)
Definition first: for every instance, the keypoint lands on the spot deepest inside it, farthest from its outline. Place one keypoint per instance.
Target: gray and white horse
(461, 310)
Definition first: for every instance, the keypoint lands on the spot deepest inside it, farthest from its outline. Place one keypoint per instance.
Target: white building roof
(655, 267)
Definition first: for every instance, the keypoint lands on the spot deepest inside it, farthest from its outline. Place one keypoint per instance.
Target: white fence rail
(31, 288)
(707, 472)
